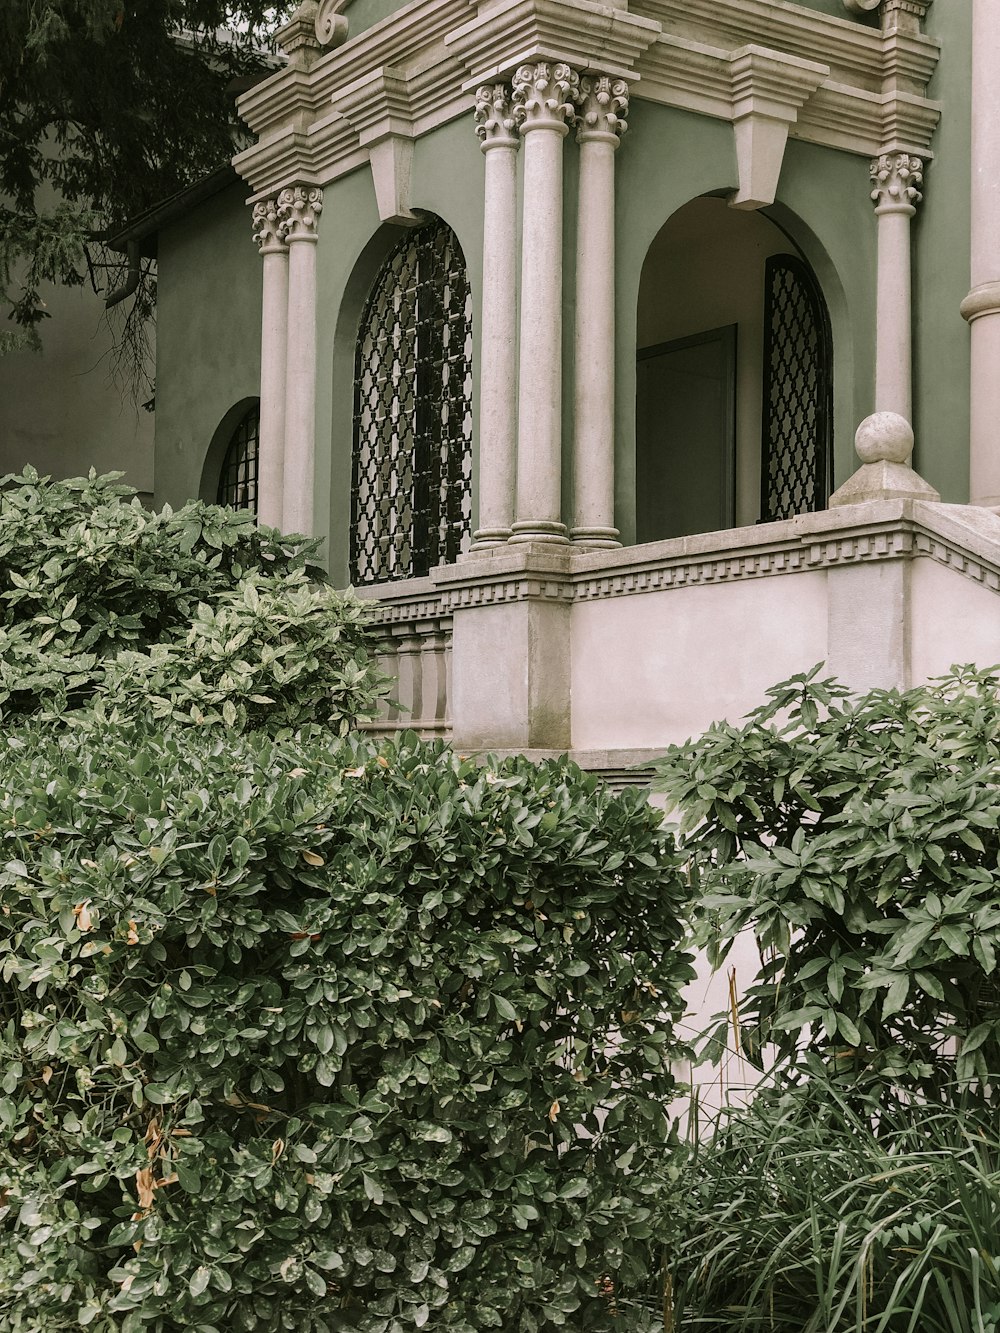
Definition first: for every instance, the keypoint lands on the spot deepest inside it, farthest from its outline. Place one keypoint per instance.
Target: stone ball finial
(884, 437)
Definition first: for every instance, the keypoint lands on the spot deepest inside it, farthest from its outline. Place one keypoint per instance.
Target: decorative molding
(603, 108)
(896, 178)
(298, 210)
(379, 109)
(584, 35)
(768, 91)
(982, 300)
(332, 24)
(872, 101)
(297, 38)
(495, 123)
(266, 227)
(544, 96)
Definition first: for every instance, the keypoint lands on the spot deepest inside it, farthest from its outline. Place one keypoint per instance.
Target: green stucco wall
(941, 267)
(208, 336)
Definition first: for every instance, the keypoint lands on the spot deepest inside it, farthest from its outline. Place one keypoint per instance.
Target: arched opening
(229, 476)
(411, 491)
(734, 376)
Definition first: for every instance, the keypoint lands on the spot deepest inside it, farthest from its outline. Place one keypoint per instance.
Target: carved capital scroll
(495, 123)
(265, 226)
(299, 208)
(602, 108)
(545, 96)
(896, 178)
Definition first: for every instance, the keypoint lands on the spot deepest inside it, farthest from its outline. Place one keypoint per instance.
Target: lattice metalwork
(411, 502)
(798, 390)
(238, 478)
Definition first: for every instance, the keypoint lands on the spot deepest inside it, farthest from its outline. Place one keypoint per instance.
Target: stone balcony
(613, 655)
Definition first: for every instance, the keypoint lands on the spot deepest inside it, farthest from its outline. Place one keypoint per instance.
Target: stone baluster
(895, 179)
(274, 333)
(982, 305)
(298, 217)
(498, 319)
(600, 124)
(544, 96)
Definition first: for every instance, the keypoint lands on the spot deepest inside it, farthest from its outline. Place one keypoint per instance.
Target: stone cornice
(682, 52)
(585, 35)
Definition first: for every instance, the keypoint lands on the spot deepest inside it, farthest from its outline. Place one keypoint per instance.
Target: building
(562, 323)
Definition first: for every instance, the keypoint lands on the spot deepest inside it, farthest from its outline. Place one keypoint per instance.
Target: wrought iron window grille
(238, 476)
(797, 426)
(411, 494)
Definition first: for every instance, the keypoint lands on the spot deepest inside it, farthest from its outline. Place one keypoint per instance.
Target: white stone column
(982, 306)
(544, 96)
(600, 123)
(498, 318)
(298, 215)
(895, 177)
(273, 335)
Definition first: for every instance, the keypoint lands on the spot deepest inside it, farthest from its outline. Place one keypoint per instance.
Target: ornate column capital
(545, 96)
(495, 123)
(266, 228)
(896, 178)
(299, 208)
(603, 106)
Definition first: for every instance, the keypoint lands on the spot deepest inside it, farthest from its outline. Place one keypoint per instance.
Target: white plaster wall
(656, 668)
(954, 621)
(61, 409)
(704, 270)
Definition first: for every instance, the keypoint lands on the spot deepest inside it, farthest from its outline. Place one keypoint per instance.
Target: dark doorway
(686, 435)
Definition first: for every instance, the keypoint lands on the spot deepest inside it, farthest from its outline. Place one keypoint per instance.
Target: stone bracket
(378, 109)
(768, 90)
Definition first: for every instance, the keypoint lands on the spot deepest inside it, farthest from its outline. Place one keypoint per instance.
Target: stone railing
(413, 642)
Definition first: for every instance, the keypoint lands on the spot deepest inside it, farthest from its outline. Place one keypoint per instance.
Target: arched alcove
(229, 473)
(733, 377)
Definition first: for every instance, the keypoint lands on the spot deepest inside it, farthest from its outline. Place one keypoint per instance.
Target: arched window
(411, 500)
(238, 474)
(796, 438)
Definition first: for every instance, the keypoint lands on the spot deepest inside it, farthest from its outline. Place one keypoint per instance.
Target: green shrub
(313, 1037)
(214, 618)
(860, 840)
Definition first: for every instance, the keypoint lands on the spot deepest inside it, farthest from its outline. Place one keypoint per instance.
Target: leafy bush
(313, 1037)
(216, 618)
(860, 840)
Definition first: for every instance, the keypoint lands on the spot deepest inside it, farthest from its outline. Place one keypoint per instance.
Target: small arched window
(238, 474)
(411, 499)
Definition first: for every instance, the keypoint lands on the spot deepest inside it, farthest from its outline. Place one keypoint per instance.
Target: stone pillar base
(539, 530)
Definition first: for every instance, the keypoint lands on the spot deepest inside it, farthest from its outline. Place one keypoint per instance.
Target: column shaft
(895, 179)
(982, 306)
(893, 314)
(274, 332)
(300, 209)
(498, 320)
(604, 103)
(542, 91)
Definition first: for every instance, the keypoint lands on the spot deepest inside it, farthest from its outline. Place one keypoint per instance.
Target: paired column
(298, 219)
(274, 332)
(896, 178)
(600, 123)
(544, 98)
(498, 320)
(982, 306)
